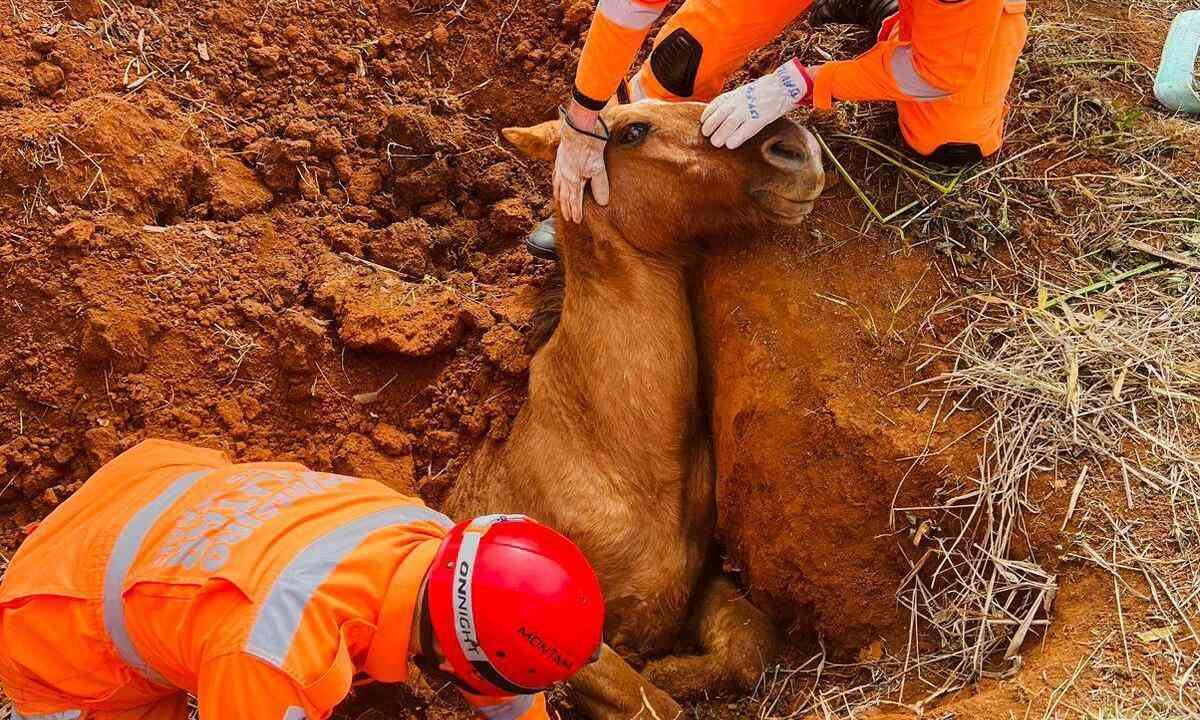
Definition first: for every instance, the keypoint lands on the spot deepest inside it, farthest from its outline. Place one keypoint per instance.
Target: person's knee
(675, 62)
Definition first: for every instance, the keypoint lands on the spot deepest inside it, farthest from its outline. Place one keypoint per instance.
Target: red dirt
(807, 342)
(288, 230)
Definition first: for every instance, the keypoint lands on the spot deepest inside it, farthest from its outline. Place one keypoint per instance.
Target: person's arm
(241, 686)
(949, 47)
(515, 707)
(618, 30)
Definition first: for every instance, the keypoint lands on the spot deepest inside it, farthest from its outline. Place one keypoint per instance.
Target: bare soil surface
(289, 230)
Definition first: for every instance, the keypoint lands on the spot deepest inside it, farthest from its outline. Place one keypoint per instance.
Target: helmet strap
(427, 638)
(429, 660)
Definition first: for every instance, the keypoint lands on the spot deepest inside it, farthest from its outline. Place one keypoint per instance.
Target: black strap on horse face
(562, 113)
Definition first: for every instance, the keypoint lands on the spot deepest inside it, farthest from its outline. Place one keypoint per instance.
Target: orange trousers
(975, 47)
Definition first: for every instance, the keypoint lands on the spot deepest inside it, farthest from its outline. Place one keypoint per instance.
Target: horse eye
(634, 133)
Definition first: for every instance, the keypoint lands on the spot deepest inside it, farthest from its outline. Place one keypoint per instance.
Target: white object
(736, 116)
(1176, 72)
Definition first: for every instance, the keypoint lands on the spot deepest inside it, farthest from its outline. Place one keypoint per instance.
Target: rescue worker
(947, 64)
(264, 589)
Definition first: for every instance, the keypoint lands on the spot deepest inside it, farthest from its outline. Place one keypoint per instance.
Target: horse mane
(548, 308)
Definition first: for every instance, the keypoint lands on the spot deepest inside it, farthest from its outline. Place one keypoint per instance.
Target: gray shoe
(540, 242)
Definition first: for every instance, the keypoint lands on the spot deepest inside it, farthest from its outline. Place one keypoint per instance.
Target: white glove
(580, 159)
(735, 117)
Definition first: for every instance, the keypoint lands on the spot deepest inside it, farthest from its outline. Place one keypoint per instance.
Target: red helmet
(515, 606)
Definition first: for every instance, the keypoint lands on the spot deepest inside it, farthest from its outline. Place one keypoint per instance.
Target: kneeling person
(266, 588)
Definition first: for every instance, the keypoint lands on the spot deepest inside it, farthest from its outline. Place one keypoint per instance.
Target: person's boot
(540, 242)
(866, 13)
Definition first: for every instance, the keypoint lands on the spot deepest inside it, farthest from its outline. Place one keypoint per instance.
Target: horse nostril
(785, 152)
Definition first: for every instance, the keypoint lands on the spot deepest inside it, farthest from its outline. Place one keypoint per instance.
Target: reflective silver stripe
(464, 603)
(630, 13)
(63, 715)
(907, 79)
(294, 713)
(510, 710)
(279, 617)
(123, 552)
(464, 571)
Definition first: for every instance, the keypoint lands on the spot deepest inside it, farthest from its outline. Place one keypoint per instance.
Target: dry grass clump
(1074, 258)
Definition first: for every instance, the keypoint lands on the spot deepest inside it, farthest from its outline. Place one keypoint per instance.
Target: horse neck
(622, 364)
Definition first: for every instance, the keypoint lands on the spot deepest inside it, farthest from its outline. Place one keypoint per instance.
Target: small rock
(402, 247)
(357, 456)
(300, 130)
(279, 161)
(63, 452)
(346, 58)
(504, 347)
(75, 234)
(264, 58)
(479, 316)
(235, 190)
(511, 217)
(392, 439)
(101, 445)
(231, 416)
(328, 143)
(42, 43)
(411, 127)
(344, 167)
(122, 339)
(440, 35)
(300, 341)
(441, 212)
(364, 183)
(48, 78)
(84, 10)
(577, 14)
(492, 183)
(416, 320)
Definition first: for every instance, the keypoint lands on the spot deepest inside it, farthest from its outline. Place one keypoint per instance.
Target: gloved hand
(735, 117)
(580, 159)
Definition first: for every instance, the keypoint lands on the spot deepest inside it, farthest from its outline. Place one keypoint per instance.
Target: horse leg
(737, 641)
(609, 689)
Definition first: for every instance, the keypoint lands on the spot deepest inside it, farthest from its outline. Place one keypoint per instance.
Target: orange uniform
(262, 588)
(948, 66)
(946, 63)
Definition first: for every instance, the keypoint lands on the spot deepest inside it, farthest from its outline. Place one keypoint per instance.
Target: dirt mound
(289, 230)
(104, 153)
(804, 349)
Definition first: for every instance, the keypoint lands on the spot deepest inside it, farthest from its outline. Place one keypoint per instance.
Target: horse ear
(539, 142)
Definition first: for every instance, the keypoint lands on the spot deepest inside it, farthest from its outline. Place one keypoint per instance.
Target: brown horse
(613, 447)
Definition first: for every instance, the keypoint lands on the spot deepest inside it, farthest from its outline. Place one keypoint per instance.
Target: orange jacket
(261, 588)
(618, 30)
(930, 50)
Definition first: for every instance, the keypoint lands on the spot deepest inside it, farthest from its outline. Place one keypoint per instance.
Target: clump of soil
(809, 434)
(292, 232)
